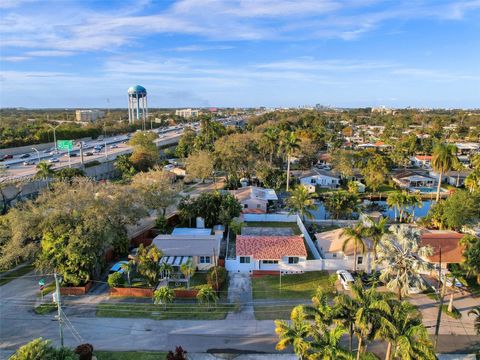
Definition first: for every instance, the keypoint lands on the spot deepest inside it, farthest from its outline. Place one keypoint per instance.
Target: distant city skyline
(234, 53)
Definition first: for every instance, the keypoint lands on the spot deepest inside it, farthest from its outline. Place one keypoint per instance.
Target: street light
(38, 154)
(54, 134)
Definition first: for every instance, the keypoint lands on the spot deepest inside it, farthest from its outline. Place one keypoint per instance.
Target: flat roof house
(316, 177)
(270, 253)
(198, 245)
(254, 199)
(413, 179)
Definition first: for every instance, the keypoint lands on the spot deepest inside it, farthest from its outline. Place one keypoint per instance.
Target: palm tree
(44, 171)
(326, 345)
(373, 308)
(405, 333)
(394, 201)
(444, 158)
(413, 201)
(476, 312)
(270, 137)
(320, 311)
(128, 268)
(345, 311)
(188, 270)
(404, 259)
(163, 296)
(294, 332)
(290, 144)
(207, 295)
(375, 232)
(356, 235)
(301, 202)
(472, 182)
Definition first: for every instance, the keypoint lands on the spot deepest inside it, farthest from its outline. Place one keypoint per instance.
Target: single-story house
(254, 199)
(413, 179)
(277, 253)
(316, 177)
(330, 244)
(423, 161)
(198, 245)
(454, 178)
(324, 158)
(446, 241)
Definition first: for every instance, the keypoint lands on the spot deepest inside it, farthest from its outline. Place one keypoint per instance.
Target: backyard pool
(426, 190)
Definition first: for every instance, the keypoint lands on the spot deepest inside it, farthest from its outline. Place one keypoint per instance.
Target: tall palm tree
(405, 333)
(444, 159)
(413, 201)
(345, 311)
(44, 171)
(207, 295)
(326, 345)
(163, 296)
(476, 312)
(301, 202)
(270, 137)
(356, 235)
(394, 201)
(188, 270)
(375, 232)
(373, 309)
(290, 143)
(295, 332)
(404, 259)
(472, 182)
(320, 311)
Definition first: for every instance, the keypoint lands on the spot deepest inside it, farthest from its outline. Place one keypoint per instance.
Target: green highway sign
(41, 282)
(65, 144)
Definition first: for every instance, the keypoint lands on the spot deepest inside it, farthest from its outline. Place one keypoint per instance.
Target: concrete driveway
(240, 292)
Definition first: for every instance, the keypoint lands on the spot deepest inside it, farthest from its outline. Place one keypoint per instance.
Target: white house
(254, 199)
(454, 178)
(197, 245)
(269, 253)
(422, 161)
(413, 179)
(316, 177)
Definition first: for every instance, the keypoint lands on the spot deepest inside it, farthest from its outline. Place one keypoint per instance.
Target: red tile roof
(270, 247)
(253, 211)
(423, 157)
(448, 241)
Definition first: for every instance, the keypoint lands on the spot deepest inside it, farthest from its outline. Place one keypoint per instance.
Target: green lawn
(16, 274)
(386, 188)
(129, 355)
(295, 286)
(46, 308)
(197, 281)
(175, 311)
(274, 224)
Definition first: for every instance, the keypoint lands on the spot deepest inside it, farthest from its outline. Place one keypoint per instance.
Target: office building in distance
(187, 113)
(88, 115)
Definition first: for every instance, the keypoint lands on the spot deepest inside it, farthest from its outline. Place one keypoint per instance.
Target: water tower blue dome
(137, 91)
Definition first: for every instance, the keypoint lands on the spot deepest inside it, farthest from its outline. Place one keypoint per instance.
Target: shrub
(179, 354)
(116, 280)
(84, 351)
(216, 272)
(161, 224)
(42, 349)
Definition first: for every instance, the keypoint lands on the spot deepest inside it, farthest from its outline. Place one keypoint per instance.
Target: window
(293, 260)
(204, 259)
(244, 260)
(245, 206)
(313, 181)
(269, 261)
(360, 260)
(334, 255)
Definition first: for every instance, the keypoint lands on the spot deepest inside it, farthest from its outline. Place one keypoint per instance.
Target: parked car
(346, 279)
(88, 153)
(24, 156)
(53, 160)
(451, 281)
(28, 163)
(118, 267)
(6, 157)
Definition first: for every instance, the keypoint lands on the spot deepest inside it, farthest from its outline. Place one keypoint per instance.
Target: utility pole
(81, 154)
(441, 291)
(59, 307)
(54, 135)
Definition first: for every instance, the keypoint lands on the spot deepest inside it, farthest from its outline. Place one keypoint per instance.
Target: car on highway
(4, 166)
(53, 160)
(6, 157)
(346, 279)
(114, 146)
(24, 156)
(28, 163)
(71, 154)
(88, 153)
(117, 267)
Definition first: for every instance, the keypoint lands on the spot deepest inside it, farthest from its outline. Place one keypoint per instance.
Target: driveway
(240, 292)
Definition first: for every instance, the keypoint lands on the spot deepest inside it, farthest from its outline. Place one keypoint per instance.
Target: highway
(105, 149)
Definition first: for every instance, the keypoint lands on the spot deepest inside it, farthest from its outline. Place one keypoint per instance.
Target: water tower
(137, 104)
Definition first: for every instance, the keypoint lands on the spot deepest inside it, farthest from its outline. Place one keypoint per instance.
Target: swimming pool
(425, 190)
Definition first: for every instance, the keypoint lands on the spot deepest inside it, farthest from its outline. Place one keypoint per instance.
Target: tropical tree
(414, 201)
(326, 345)
(125, 166)
(375, 232)
(44, 171)
(147, 263)
(289, 143)
(270, 138)
(476, 313)
(403, 258)
(444, 158)
(163, 296)
(301, 202)
(341, 204)
(294, 333)
(405, 333)
(188, 270)
(355, 235)
(375, 172)
(320, 311)
(472, 182)
(471, 256)
(346, 308)
(200, 165)
(206, 295)
(128, 268)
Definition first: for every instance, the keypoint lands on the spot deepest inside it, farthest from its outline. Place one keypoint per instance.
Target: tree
(210, 132)
(145, 152)
(147, 262)
(125, 166)
(343, 162)
(326, 345)
(67, 174)
(289, 144)
(164, 296)
(269, 176)
(200, 165)
(84, 351)
(476, 312)
(156, 189)
(444, 158)
(294, 333)
(42, 349)
(236, 154)
(179, 354)
(188, 270)
(165, 270)
(10, 190)
(472, 182)
(44, 171)
(301, 202)
(206, 295)
(375, 232)
(341, 204)
(270, 139)
(471, 256)
(116, 280)
(375, 172)
(403, 255)
(186, 143)
(346, 308)
(356, 235)
(406, 335)
(128, 268)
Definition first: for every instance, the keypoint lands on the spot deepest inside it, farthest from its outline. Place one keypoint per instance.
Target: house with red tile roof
(448, 242)
(423, 161)
(269, 253)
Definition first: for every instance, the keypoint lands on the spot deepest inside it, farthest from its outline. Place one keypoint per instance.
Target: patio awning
(175, 260)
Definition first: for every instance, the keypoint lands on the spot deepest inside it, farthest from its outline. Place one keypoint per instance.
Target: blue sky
(347, 53)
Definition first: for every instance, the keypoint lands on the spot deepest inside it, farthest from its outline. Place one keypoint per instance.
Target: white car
(346, 279)
(53, 160)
